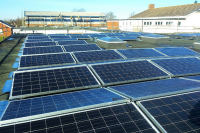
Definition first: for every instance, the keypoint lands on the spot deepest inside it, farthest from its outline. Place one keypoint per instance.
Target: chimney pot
(151, 6)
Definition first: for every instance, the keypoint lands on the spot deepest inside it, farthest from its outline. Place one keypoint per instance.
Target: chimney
(151, 6)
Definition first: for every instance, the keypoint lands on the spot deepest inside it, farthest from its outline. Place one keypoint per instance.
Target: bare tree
(131, 14)
(110, 16)
(78, 10)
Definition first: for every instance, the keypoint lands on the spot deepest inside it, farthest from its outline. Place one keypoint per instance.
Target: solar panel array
(36, 44)
(45, 59)
(42, 50)
(94, 56)
(72, 42)
(179, 113)
(63, 39)
(80, 36)
(121, 118)
(38, 40)
(57, 79)
(60, 37)
(38, 37)
(89, 47)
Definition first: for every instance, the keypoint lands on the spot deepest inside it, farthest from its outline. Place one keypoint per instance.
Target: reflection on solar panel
(177, 51)
(39, 40)
(64, 39)
(74, 34)
(52, 80)
(66, 101)
(89, 47)
(42, 50)
(181, 66)
(94, 56)
(127, 38)
(116, 73)
(39, 44)
(193, 77)
(178, 113)
(72, 42)
(38, 37)
(115, 35)
(46, 59)
(140, 53)
(81, 36)
(121, 118)
(149, 35)
(154, 88)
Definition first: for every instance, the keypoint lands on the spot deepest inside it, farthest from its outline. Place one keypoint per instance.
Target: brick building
(5, 29)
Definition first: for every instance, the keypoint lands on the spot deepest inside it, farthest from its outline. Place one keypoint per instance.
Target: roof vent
(151, 6)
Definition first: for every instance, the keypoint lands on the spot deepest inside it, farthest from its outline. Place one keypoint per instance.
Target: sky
(11, 9)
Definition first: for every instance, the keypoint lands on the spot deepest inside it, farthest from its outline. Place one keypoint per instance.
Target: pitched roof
(7, 24)
(181, 10)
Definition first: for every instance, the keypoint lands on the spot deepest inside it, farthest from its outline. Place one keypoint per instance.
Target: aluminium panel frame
(128, 81)
(38, 66)
(97, 60)
(39, 46)
(150, 116)
(4, 123)
(54, 91)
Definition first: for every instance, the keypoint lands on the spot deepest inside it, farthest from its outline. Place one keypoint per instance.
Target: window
(144, 23)
(160, 23)
(156, 23)
(1, 32)
(166, 23)
(171, 23)
(179, 23)
(147, 23)
(150, 23)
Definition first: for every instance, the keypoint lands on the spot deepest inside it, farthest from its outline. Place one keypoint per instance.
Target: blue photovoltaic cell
(140, 53)
(61, 39)
(47, 59)
(98, 36)
(36, 44)
(32, 35)
(89, 47)
(127, 71)
(127, 38)
(51, 80)
(72, 42)
(80, 36)
(180, 66)
(42, 50)
(74, 34)
(56, 34)
(39, 40)
(193, 77)
(176, 114)
(92, 56)
(177, 51)
(38, 37)
(139, 90)
(47, 104)
(124, 118)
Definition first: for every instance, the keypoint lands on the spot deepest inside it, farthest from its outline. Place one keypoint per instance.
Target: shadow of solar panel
(177, 51)
(72, 42)
(157, 88)
(121, 118)
(61, 102)
(80, 36)
(38, 37)
(52, 80)
(124, 72)
(35, 44)
(47, 59)
(42, 50)
(140, 53)
(181, 66)
(38, 40)
(62, 39)
(179, 113)
(89, 47)
(95, 56)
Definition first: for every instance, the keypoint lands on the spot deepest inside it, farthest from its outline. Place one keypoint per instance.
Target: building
(83, 19)
(182, 18)
(5, 29)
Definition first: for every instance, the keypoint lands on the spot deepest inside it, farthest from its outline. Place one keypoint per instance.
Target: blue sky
(11, 9)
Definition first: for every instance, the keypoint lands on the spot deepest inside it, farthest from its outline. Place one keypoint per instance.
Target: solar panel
(178, 113)
(140, 53)
(38, 37)
(61, 102)
(74, 34)
(177, 51)
(59, 39)
(89, 47)
(193, 77)
(35, 44)
(57, 34)
(127, 38)
(123, 72)
(95, 56)
(38, 40)
(180, 66)
(51, 80)
(150, 35)
(42, 50)
(98, 36)
(72, 42)
(119, 118)
(144, 90)
(45, 59)
(80, 36)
